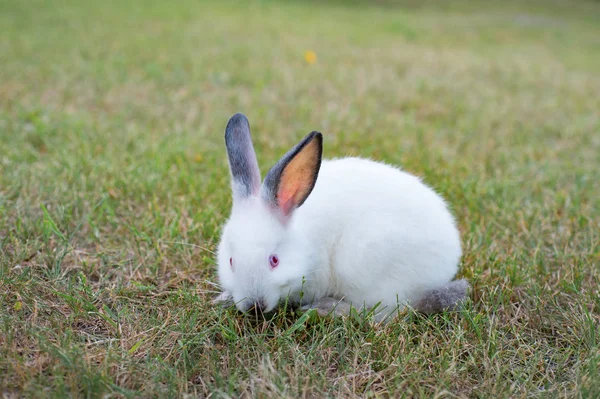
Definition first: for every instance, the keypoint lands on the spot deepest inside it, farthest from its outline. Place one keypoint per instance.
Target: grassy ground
(114, 185)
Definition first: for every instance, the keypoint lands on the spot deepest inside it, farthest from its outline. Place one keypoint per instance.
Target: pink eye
(274, 261)
(231, 262)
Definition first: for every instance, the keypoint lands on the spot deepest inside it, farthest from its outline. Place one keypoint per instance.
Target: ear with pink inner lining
(289, 183)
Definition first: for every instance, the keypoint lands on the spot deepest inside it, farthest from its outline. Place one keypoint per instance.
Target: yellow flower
(310, 57)
(112, 192)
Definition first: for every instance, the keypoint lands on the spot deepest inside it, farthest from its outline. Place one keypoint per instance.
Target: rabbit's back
(383, 234)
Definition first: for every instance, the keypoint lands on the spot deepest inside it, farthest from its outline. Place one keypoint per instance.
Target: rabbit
(334, 234)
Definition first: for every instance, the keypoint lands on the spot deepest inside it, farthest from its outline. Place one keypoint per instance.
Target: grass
(114, 185)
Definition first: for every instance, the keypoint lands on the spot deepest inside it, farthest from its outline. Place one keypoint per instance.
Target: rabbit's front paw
(224, 299)
(329, 305)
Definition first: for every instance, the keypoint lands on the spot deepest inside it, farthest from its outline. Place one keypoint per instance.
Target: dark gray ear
(245, 176)
(292, 179)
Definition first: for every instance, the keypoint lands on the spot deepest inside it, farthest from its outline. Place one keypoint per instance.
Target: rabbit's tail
(448, 297)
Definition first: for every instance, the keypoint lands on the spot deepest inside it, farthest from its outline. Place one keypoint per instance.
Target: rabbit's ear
(291, 180)
(245, 176)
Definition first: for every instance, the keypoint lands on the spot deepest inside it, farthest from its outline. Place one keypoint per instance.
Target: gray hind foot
(448, 297)
(329, 305)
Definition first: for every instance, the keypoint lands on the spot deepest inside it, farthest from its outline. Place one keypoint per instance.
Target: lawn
(114, 186)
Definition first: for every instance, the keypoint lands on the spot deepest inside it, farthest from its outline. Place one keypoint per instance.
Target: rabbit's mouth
(255, 305)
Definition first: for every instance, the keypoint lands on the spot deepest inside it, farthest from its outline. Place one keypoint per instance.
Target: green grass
(114, 185)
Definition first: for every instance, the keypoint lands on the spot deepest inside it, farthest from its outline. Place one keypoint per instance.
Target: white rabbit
(334, 234)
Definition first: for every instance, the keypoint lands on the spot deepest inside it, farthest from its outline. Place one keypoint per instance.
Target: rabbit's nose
(260, 304)
(254, 305)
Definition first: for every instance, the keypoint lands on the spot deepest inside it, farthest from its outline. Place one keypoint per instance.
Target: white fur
(368, 233)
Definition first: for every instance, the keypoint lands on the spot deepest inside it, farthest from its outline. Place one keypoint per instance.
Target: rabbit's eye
(274, 261)
(231, 263)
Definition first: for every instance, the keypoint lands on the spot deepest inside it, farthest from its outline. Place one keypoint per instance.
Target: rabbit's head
(262, 257)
